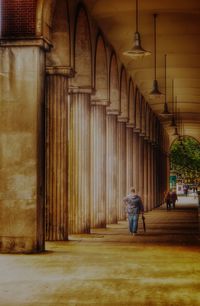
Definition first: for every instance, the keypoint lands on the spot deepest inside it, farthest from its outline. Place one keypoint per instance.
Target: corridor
(111, 268)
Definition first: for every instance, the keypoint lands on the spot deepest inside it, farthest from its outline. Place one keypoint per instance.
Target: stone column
(111, 169)
(141, 167)
(149, 177)
(136, 161)
(22, 146)
(98, 166)
(79, 163)
(56, 156)
(167, 172)
(157, 175)
(160, 165)
(129, 158)
(152, 177)
(121, 167)
(146, 174)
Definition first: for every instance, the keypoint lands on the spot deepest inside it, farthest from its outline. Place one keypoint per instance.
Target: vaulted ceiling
(178, 36)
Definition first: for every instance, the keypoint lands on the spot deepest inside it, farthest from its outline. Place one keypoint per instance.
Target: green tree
(185, 157)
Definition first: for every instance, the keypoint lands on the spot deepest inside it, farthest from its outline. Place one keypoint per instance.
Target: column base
(18, 245)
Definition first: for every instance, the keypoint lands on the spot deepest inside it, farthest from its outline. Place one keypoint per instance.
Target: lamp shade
(137, 50)
(176, 132)
(155, 91)
(173, 122)
(166, 112)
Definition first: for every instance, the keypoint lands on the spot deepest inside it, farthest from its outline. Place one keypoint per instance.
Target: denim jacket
(134, 204)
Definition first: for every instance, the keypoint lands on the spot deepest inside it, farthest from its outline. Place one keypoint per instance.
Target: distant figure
(133, 206)
(185, 190)
(168, 200)
(194, 190)
(174, 198)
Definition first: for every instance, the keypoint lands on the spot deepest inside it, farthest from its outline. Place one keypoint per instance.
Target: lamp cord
(155, 15)
(165, 79)
(136, 2)
(173, 97)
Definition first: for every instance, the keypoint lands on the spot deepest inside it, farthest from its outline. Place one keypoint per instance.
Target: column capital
(40, 42)
(122, 119)
(82, 89)
(112, 112)
(137, 130)
(130, 125)
(102, 102)
(146, 137)
(60, 70)
(142, 134)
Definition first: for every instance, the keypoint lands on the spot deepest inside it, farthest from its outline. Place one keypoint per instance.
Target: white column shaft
(98, 166)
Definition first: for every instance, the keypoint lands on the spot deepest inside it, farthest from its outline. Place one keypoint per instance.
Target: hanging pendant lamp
(155, 91)
(176, 132)
(165, 112)
(173, 122)
(137, 50)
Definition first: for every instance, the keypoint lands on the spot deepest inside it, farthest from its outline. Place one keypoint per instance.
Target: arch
(151, 125)
(142, 115)
(184, 153)
(82, 50)
(131, 108)
(147, 119)
(44, 17)
(145, 115)
(185, 136)
(114, 97)
(123, 96)
(60, 37)
(100, 71)
(137, 110)
(157, 130)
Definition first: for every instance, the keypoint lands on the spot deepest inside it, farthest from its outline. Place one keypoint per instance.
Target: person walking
(174, 198)
(168, 200)
(133, 206)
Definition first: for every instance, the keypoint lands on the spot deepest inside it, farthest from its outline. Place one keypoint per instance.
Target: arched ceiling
(178, 36)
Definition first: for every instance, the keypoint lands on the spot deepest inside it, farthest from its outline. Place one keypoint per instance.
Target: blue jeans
(133, 222)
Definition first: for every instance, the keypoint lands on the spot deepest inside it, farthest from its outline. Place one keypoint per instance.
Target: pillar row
(79, 163)
(56, 158)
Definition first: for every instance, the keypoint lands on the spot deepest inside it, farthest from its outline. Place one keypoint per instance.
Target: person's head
(132, 190)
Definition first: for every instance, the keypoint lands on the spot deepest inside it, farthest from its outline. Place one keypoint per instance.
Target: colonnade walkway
(110, 267)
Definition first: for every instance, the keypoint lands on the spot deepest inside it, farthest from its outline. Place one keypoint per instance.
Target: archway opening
(185, 166)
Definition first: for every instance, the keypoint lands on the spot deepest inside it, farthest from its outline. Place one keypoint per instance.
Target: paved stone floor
(112, 268)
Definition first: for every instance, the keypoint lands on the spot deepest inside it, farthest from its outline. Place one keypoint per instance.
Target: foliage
(185, 157)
